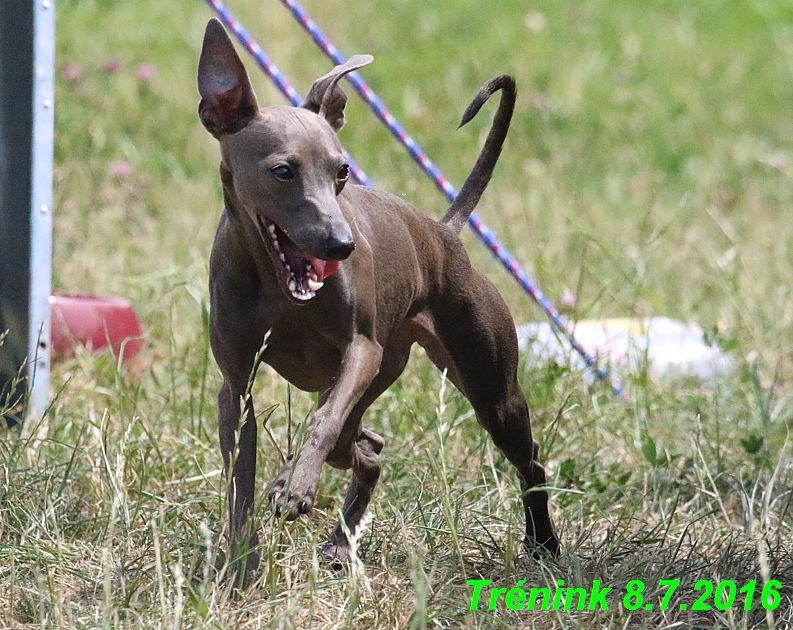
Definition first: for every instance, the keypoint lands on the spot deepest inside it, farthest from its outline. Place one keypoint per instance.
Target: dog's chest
(303, 356)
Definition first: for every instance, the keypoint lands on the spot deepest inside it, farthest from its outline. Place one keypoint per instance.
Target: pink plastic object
(93, 322)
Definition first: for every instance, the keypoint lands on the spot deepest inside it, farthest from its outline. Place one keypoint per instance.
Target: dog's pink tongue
(324, 268)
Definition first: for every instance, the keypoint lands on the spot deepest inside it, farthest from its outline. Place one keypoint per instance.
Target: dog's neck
(248, 237)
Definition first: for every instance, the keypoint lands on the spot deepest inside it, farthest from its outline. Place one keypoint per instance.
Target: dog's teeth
(271, 229)
(288, 268)
(292, 286)
(276, 246)
(314, 285)
(281, 257)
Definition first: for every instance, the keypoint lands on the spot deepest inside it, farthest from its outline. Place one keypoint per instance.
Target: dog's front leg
(240, 470)
(235, 340)
(294, 491)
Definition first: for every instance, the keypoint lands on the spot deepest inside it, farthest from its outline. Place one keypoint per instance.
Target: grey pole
(41, 206)
(27, 51)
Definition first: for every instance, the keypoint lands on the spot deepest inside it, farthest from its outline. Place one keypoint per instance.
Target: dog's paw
(293, 492)
(550, 548)
(246, 571)
(245, 563)
(336, 555)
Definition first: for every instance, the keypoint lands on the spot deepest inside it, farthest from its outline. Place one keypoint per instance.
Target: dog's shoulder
(384, 205)
(395, 230)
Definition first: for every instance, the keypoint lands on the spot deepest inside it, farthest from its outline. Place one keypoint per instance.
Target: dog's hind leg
(359, 448)
(364, 453)
(476, 332)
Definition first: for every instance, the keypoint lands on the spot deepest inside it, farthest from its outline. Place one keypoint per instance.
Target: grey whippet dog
(345, 279)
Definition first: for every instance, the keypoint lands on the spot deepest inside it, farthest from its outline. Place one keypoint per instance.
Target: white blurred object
(672, 349)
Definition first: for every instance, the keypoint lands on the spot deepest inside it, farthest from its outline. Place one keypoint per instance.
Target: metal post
(27, 57)
(41, 205)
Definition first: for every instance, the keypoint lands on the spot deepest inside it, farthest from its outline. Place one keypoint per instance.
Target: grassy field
(647, 172)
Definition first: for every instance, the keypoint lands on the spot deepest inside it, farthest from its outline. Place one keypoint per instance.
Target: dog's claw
(291, 494)
(291, 507)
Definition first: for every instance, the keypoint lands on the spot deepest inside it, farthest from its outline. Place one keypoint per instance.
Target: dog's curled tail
(462, 207)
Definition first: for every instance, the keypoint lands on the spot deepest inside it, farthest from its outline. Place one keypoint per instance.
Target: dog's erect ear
(227, 99)
(326, 97)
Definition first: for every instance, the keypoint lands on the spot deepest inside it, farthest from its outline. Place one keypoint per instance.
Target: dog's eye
(344, 173)
(282, 172)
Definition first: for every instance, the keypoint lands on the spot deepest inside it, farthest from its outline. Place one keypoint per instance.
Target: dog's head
(283, 166)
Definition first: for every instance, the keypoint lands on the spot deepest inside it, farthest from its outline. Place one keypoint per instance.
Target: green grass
(647, 172)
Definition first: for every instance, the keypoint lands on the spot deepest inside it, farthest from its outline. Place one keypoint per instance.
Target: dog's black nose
(338, 248)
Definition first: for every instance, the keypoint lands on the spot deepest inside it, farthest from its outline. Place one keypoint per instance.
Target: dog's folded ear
(227, 99)
(326, 98)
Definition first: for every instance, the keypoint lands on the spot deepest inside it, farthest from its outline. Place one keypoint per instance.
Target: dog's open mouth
(302, 274)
